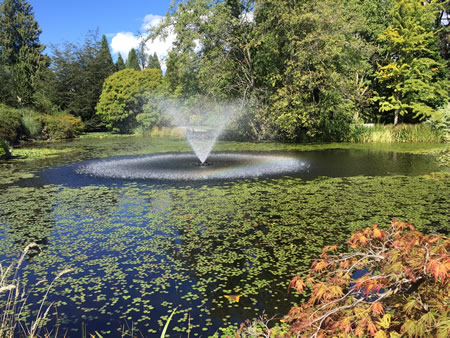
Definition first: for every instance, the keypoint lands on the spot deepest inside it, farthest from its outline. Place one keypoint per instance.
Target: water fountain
(202, 124)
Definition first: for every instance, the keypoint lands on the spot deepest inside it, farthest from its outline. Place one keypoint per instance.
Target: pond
(141, 246)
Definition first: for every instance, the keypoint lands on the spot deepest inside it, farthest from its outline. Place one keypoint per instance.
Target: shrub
(60, 126)
(5, 153)
(10, 123)
(441, 122)
(402, 288)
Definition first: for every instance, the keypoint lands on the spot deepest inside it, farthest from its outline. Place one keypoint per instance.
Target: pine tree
(104, 59)
(153, 62)
(120, 64)
(20, 51)
(413, 75)
(132, 61)
(99, 66)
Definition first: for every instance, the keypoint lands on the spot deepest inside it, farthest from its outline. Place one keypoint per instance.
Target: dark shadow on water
(168, 170)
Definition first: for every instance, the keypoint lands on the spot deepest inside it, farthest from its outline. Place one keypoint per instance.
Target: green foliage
(20, 52)
(413, 74)
(127, 94)
(79, 73)
(5, 153)
(153, 62)
(133, 60)
(60, 126)
(300, 68)
(323, 82)
(120, 64)
(10, 123)
(440, 122)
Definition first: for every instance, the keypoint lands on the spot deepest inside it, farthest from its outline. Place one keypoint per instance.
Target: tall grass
(168, 132)
(32, 127)
(13, 298)
(421, 132)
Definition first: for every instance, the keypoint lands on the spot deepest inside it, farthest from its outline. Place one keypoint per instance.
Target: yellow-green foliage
(61, 126)
(413, 74)
(400, 133)
(167, 132)
(124, 95)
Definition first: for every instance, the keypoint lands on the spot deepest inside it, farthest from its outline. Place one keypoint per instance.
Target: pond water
(141, 246)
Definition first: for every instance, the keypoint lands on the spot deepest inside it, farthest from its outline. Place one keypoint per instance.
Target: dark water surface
(184, 168)
(142, 246)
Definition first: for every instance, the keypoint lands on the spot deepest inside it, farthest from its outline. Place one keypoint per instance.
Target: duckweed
(140, 250)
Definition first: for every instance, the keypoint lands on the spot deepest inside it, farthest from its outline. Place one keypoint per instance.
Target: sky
(121, 21)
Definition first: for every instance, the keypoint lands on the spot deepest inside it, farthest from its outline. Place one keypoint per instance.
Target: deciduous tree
(392, 283)
(123, 98)
(413, 75)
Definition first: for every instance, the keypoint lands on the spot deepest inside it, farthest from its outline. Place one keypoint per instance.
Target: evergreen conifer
(120, 64)
(21, 55)
(133, 61)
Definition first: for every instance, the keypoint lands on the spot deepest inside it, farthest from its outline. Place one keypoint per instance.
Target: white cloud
(122, 42)
(151, 20)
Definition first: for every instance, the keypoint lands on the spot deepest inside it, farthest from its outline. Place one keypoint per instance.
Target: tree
(103, 60)
(133, 61)
(20, 52)
(123, 98)
(153, 62)
(316, 65)
(413, 76)
(80, 71)
(98, 69)
(120, 64)
(141, 53)
(392, 283)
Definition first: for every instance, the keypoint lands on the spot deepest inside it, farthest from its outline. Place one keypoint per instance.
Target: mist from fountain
(202, 122)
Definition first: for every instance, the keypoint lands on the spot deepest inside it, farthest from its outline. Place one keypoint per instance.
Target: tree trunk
(396, 118)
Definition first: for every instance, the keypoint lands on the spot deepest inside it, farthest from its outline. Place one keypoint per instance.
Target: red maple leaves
(404, 283)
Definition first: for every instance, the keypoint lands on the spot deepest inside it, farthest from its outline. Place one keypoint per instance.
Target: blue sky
(120, 21)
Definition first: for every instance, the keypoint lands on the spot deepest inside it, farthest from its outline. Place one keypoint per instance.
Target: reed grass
(32, 127)
(177, 133)
(397, 134)
(15, 296)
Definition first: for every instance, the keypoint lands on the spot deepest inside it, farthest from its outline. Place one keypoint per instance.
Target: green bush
(440, 122)
(10, 123)
(4, 150)
(60, 126)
